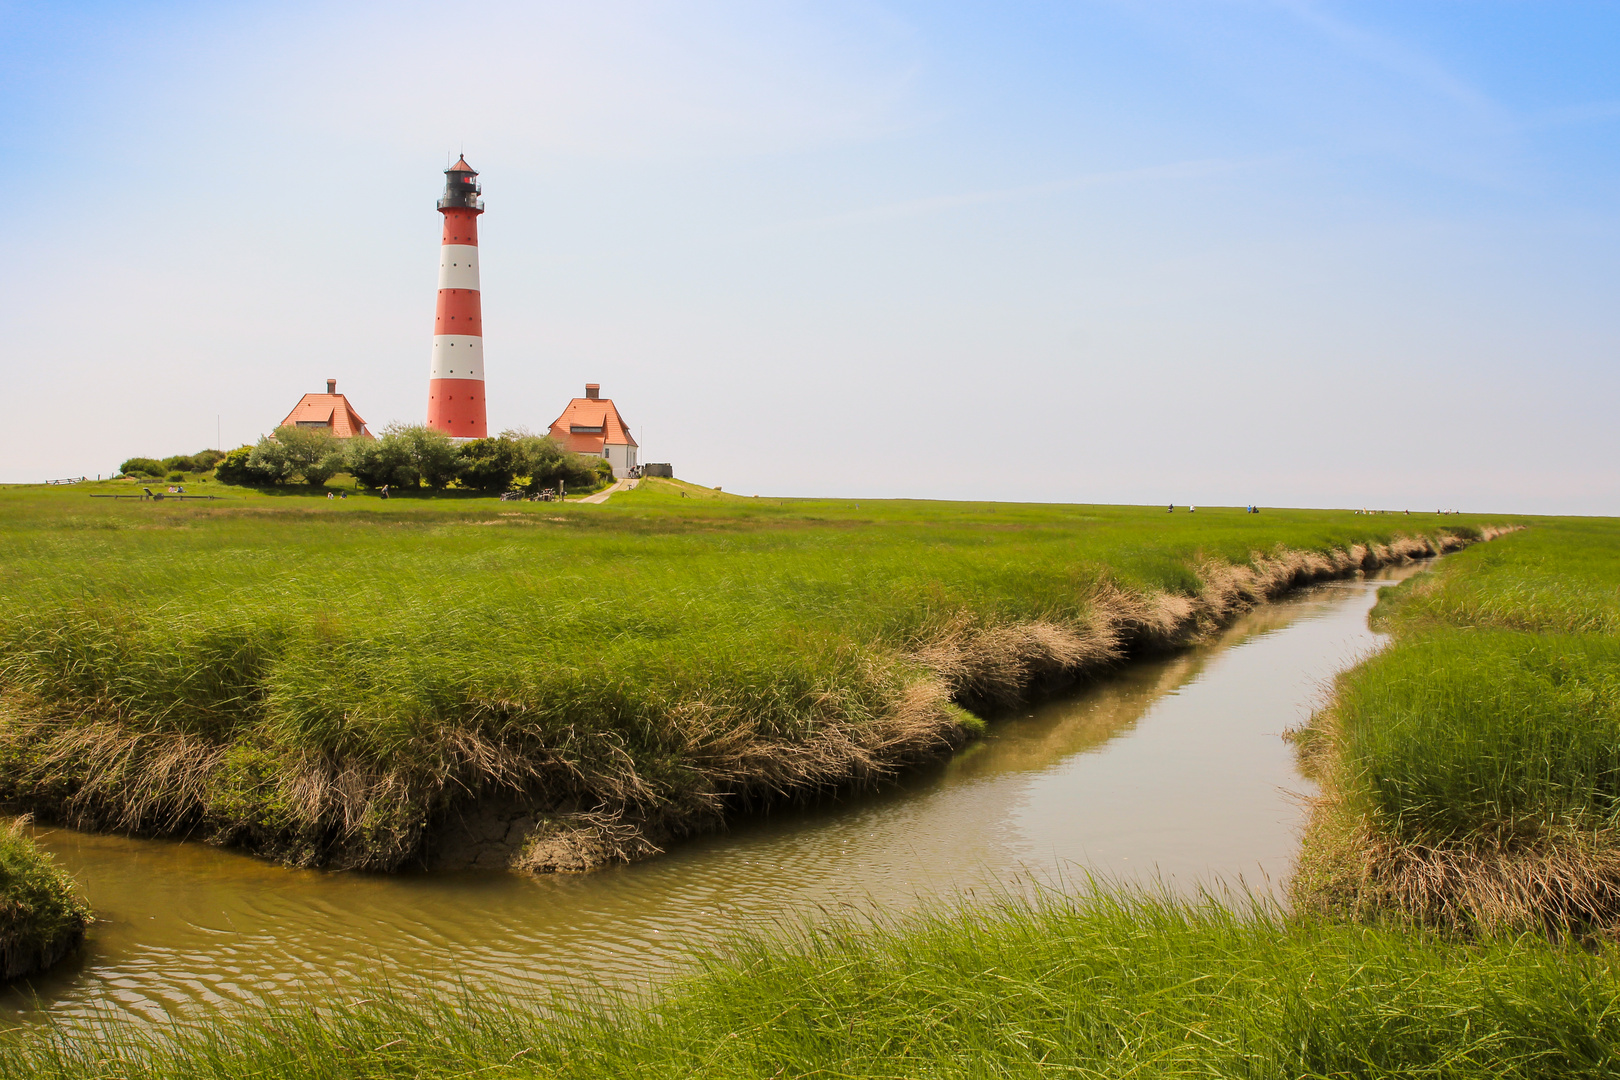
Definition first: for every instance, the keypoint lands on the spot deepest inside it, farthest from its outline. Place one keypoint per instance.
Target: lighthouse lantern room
(456, 384)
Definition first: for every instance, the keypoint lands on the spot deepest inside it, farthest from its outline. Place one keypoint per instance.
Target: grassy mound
(1474, 768)
(1101, 988)
(42, 915)
(324, 681)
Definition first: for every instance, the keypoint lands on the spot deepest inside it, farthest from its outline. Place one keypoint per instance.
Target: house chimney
(331, 386)
(593, 390)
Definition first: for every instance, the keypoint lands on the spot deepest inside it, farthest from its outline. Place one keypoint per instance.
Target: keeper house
(592, 425)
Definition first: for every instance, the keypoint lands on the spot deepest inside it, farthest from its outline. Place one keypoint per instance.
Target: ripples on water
(1171, 769)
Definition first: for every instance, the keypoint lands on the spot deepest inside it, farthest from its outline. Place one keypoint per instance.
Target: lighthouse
(456, 385)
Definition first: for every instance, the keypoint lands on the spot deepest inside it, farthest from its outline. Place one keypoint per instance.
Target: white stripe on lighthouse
(458, 266)
(458, 356)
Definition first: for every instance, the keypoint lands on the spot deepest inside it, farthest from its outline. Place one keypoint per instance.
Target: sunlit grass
(1474, 767)
(261, 667)
(1107, 987)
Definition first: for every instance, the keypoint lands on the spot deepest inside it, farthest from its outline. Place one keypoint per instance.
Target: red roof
(601, 424)
(462, 166)
(328, 410)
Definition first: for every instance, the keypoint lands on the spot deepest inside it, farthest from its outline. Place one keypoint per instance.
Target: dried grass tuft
(1552, 882)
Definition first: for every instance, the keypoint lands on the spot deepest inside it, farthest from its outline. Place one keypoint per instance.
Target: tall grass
(1106, 987)
(1463, 732)
(1474, 768)
(42, 914)
(321, 680)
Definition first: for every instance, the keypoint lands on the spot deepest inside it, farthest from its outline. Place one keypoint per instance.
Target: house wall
(622, 457)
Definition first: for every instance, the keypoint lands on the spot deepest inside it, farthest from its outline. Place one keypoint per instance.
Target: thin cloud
(1393, 55)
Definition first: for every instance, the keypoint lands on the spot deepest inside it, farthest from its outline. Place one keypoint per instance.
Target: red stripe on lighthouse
(459, 313)
(460, 226)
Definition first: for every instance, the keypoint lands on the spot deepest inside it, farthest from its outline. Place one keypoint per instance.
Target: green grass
(319, 679)
(1475, 765)
(42, 915)
(1460, 732)
(1100, 987)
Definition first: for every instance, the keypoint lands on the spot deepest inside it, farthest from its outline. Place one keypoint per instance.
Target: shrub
(142, 466)
(492, 464)
(295, 453)
(406, 456)
(237, 467)
(517, 459)
(206, 459)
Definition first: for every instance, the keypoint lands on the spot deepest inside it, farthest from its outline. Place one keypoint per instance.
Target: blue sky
(1290, 253)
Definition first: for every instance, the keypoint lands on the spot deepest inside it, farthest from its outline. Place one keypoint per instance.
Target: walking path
(602, 496)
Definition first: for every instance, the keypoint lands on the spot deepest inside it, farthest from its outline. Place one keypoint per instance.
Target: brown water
(1172, 769)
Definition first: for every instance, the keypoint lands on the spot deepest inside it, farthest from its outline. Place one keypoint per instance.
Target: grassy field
(320, 680)
(1097, 988)
(1474, 768)
(42, 915)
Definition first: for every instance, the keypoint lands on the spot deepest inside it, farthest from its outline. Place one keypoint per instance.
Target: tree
(294, 453)
(406, 456)
(492, 464)
(375, 462)
(432, 452)
(319, 472)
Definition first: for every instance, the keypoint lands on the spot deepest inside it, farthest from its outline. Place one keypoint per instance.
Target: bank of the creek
(1171, 768)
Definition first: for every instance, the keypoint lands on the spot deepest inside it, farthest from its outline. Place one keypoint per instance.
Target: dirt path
(602, 496)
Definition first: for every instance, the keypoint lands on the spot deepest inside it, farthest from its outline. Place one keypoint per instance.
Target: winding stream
(1170, 770)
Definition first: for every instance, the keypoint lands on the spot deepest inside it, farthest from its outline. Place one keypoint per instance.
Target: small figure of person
(383, 491)
(1172, 509)
(1192, 509)
(329, 495)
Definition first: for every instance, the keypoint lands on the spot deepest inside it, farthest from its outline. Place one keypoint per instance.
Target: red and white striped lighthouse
(456, 386)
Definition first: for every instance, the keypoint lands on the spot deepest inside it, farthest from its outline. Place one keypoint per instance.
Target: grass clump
(1473, 769)
(1106, 987)
(332, 681)
(42, 915)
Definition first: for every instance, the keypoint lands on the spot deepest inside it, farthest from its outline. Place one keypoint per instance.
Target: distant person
(383, 491)
(343, 495)
(329, 495)
(1192, 509)
(1172, 509)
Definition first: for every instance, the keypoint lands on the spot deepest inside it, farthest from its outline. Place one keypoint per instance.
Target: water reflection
(1169, 768)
